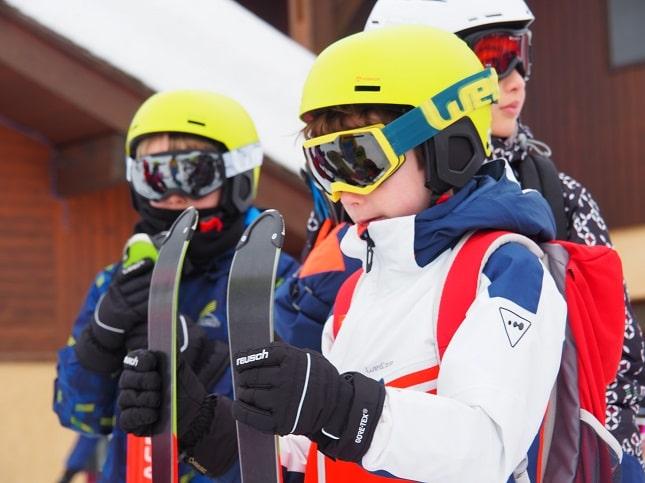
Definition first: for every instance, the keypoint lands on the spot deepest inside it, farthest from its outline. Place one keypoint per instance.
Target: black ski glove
(120, 313)
(140, 401)
(281, 390)
(124, 306)
(141, 395)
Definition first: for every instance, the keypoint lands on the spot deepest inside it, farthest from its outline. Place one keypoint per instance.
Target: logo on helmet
(461, 98)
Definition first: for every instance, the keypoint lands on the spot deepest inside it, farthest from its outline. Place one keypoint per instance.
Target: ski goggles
(503, 50)
(193, 173)
(359, 160)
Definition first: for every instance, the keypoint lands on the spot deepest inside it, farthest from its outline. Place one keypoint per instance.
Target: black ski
(250, 325)
(162, 337)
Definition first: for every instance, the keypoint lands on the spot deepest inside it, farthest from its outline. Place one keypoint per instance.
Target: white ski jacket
(494, 381)
(472, 416)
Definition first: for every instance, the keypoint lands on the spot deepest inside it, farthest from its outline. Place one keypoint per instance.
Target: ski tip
(187, 219)
(272, 221)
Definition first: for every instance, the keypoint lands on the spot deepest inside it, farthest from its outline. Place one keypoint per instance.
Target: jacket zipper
(370, 250)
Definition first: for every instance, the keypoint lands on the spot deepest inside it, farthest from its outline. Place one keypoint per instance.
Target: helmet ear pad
(453, 156)
(239, 191)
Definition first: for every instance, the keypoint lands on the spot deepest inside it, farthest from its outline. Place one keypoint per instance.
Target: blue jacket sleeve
(303, 303)
(85, 400)
(287, 267)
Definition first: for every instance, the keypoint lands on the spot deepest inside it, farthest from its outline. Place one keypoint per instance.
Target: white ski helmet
(455, 16)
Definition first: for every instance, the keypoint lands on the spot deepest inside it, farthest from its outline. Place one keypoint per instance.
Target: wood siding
(50, 249)
(591, 115)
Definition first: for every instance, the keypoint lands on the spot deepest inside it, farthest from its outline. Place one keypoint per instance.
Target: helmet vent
(190, 121)
(367, 88)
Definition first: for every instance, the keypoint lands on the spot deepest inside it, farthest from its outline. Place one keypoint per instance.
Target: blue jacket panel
(303, 303)
(85, 400)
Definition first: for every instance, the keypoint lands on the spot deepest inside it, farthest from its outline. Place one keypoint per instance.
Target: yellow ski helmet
(414, 66)
(212, 116)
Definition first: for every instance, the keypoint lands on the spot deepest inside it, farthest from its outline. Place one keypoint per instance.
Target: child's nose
(512, 82)
(348, 198)
(176, 199)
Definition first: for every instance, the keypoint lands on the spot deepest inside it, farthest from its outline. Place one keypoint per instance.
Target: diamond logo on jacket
(514, 325)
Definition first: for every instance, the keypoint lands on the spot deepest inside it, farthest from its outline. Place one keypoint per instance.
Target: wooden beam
(301, 22)
(89, 165)
(67, 71)
(315, 24)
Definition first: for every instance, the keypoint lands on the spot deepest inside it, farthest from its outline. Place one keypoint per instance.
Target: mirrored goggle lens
(504, 52)
(355, 159)
(194, 174)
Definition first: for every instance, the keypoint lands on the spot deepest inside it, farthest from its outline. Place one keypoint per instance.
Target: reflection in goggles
(192, 173)
(503, 51)
(354, 158)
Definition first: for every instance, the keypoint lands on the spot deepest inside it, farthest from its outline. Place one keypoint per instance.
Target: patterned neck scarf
(516, 147)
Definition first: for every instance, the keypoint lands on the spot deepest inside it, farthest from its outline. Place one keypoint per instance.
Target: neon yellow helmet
(212, 116)
(408, 65)
(202, 113)
(402, 65)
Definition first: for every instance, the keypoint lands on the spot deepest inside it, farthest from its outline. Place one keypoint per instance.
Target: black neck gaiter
(205, 246)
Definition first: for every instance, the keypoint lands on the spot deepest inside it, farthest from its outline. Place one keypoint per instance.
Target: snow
(202, 44)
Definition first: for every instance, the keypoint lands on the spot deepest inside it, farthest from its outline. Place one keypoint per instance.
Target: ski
(162, 338)
(139, 449)
(250, 324)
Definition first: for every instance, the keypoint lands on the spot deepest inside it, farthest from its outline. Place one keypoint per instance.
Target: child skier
(183, 148)
(381, 396)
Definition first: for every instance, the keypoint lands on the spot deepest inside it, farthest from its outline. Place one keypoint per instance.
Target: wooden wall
(27, 252)
(50, 249)
(590, 114)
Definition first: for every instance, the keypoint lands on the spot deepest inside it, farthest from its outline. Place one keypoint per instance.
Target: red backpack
(573, 444)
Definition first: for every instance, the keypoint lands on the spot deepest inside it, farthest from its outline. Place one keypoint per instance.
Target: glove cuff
(348, 434)
(200, 424)
(216, 449)
(95, 356)
(112, 338)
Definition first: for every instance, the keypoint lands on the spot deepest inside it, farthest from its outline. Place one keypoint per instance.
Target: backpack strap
(539, 173)
(344, 300)
(459, 292)
(460, 287)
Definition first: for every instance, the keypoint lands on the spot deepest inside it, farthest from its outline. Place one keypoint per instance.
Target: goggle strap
(128, 169)
(242, 159)
(412, 128)
(408, 131)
